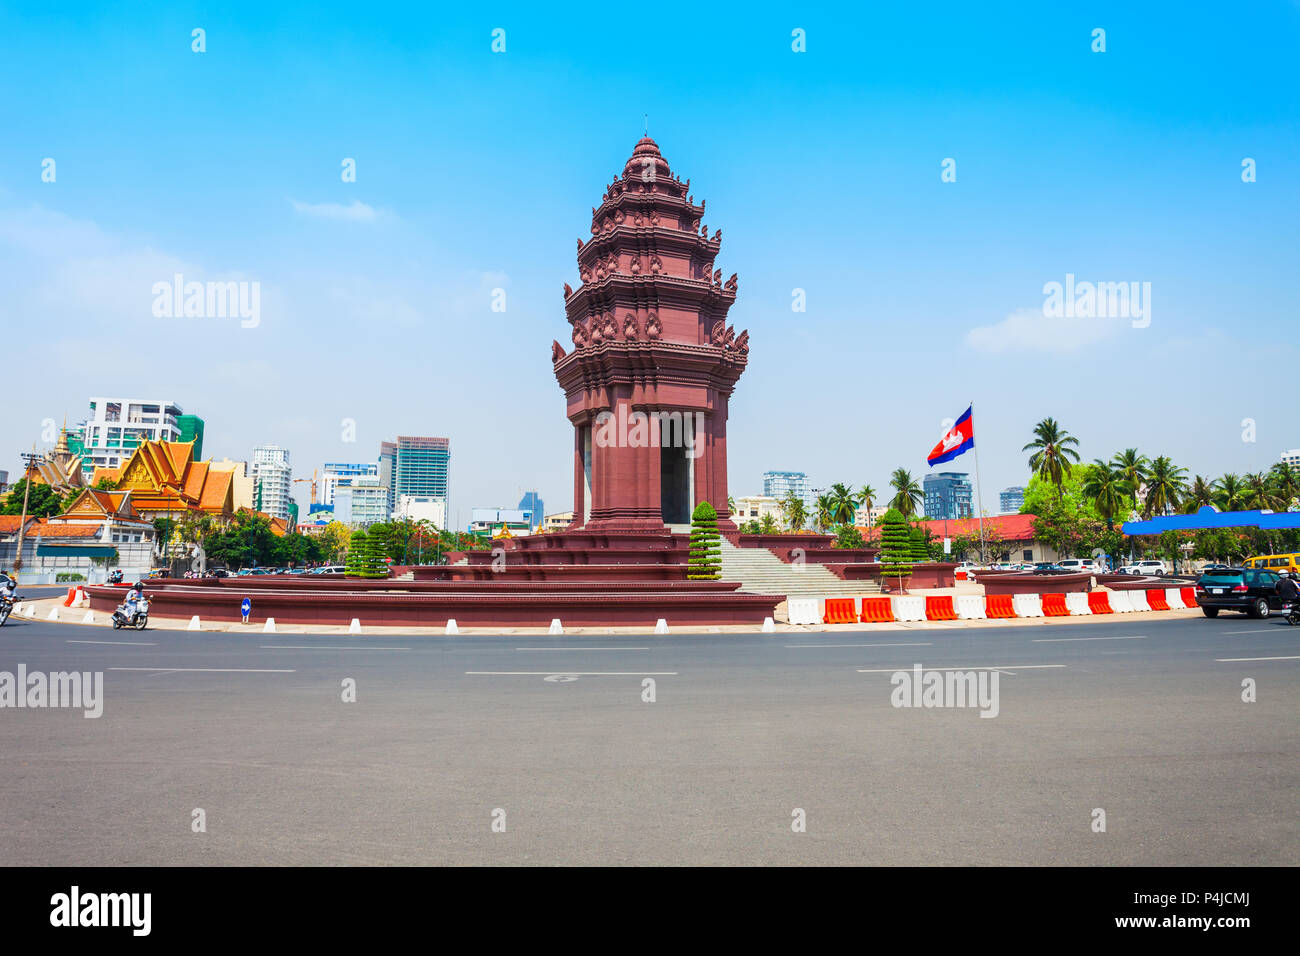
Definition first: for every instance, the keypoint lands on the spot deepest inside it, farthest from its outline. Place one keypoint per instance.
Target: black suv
(1238, 589)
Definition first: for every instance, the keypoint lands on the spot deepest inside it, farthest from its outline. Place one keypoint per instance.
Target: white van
(1079, 565)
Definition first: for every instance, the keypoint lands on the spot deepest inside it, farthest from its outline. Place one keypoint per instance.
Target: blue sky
(478, 170)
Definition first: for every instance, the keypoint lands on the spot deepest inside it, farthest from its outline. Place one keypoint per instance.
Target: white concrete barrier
(194, 624)
(1139, 599)
(769, 625)
(1121, 602)
(269, 626)
(970, 607)
(1174, 598)
(89, 618)
(1027, 605)
(908, 607)
(30, 610)
(355, 626)
(556, 627)
(802, 611)
(661, 626)
(451, 627)
(54, 614)
(1076, 602)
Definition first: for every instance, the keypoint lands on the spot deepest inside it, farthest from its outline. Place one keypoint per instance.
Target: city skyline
(415, 250)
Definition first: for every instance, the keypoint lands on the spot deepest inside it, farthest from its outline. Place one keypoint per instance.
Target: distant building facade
(118, 426)
(777, 484)
(1011, 500)
(273, 480)
(338, 474)
(531, 502)
(947, 495)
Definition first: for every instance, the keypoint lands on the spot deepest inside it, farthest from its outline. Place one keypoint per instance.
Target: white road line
(326, 647)
(132, 643)
(210, 670)
(969, 667)
(582, 648)
(1255, 630)
(575, 673)
(910, 644)
(1060, 640)
(1225, 660)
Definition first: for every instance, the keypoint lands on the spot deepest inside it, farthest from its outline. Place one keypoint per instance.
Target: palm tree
(794, 512)
(907, 493)
(823, 516)
(1165, 487)
(1230, 492)
(867, 499)
(1134, 468)
(844, 504)
(767, 525)
(1200, 494)
(1286, 483)
(1258, 493)
(1052, 452)
(1107, 488)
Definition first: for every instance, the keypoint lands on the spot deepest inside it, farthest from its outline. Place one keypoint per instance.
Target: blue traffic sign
(246, 607)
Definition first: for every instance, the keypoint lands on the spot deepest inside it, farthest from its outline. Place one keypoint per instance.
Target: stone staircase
(759, 571)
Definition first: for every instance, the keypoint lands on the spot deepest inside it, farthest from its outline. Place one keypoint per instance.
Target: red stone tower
(654, 361)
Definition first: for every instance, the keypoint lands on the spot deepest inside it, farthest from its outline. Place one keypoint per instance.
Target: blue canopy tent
(1210, 517)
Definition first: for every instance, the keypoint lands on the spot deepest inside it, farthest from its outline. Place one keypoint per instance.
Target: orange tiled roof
(216, 489)
(9, 523)
(112, 474)
(43, 529)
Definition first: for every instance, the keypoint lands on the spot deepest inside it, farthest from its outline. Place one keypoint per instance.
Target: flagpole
(979, 495)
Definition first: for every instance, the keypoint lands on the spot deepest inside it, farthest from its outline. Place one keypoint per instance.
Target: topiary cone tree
(705, 560)
(895, 548)
(920, 546)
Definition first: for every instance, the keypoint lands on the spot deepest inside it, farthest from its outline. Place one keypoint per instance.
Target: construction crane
(312, 479)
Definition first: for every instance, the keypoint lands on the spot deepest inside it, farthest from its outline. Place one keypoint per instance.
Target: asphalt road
(1143, 720)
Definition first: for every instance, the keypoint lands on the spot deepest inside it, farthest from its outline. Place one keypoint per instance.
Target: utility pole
(30, 460)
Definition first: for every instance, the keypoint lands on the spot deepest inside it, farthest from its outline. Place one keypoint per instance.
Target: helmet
(139, 585)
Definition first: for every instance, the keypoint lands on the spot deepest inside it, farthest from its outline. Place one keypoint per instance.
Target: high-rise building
(1291, 458)
(421, 466)
(947, 495)
(118, 426)
(338, 474)
(1011, 500)
(272, 480)
(533, 503)
(388, 469)
(777, 484)
(362, 503)
(191, 427)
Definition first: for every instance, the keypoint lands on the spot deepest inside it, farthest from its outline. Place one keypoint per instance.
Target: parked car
(1078, 565)
(330, 569)
(1150, 568)
(1248, 590)
(1048, 567)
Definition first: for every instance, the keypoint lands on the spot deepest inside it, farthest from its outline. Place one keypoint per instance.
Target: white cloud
(1028, 330)
(356, 212)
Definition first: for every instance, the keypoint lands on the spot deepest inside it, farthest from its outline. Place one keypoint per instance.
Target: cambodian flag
(960, 438)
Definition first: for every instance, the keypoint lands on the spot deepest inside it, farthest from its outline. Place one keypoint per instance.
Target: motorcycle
(124, 618)
(7, 607)
(1293, 614)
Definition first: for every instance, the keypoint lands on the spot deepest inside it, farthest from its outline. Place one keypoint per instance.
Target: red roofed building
(1015, 533)
(100, 530)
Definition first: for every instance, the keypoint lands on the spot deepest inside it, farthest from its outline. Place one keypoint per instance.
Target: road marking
(210, 670)
(969, 667)
(574, 673)
(132, 643)
(1059, 640)
(326, 647)
(1254, 630)
(582, 648)
(1224, 660)
(911, 644)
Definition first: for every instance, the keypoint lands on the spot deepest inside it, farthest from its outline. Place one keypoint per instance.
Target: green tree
(823, 516)
(867, 499)
(848, 536)
(1199, 494)
(794, 511)
(752, 526)
(767, 525)
(1258, 494)
(1133, 466)
(1165, 487)
(1052, 452)
(1231, 493)
(895, 547)
(1108, 490)
(919, 544)
(704, 562)
(843, 503)
(43, 501)
(907, 493)
(1285, 482)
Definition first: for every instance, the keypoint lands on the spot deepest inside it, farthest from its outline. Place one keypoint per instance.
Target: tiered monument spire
(653, 362)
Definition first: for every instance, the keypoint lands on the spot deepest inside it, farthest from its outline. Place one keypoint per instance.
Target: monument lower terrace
(647, 385)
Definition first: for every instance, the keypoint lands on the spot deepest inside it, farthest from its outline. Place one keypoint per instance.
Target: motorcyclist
(115, 577)
(8, 585)
(1288, 590)
(133, 599)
